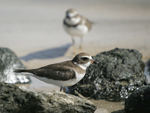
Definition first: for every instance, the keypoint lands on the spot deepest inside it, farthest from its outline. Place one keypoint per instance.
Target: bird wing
(87, 22)
(55, 72)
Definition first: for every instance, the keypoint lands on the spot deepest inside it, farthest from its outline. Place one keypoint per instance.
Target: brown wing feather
(87, 22)
(56, 72)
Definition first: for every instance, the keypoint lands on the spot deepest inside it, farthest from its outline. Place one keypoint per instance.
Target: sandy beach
(33, 30)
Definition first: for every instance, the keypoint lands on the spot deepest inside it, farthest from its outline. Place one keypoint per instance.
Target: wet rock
(147, 68)
(118, 73)
(15, 100)
(147, 71)
(139, 101)
(9, 62)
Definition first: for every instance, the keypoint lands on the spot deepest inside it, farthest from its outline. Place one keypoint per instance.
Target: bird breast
(79, 30)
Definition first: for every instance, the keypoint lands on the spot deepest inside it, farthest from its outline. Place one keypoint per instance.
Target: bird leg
(73, 43)
(61, 88)
(81, 41)
(64, 89)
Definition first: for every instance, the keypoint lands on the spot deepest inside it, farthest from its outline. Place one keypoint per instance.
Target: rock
(118, 73)
(15, 100)
(8, 63)
(147, 68)
(147, 71)
(139, 101)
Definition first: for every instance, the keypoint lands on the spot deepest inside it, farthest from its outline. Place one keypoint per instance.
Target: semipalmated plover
(76, 25)
(65, 73)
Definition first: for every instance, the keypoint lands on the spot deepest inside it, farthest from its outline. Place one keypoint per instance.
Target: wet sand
(33, 30)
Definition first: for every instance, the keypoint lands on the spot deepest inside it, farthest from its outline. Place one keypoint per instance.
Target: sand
(33, 30)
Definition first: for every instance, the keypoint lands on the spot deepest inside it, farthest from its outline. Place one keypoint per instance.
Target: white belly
(79, 30)
(61, 83)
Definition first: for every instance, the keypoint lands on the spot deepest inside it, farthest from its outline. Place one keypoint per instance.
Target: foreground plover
(76, 25)
(63, 74)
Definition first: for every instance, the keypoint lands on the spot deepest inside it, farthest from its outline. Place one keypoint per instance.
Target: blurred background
(33, 29)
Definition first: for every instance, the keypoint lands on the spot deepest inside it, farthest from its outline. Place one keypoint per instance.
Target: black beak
(94, 62)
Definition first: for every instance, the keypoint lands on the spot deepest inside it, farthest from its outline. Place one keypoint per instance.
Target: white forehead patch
(72, 14)
(73, 21)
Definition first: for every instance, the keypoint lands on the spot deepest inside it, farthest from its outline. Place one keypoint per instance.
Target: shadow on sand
(48, 53)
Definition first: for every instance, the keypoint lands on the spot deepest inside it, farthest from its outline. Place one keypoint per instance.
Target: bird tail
(23, 70)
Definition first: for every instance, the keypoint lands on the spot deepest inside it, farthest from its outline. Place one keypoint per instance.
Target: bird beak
(94, 62)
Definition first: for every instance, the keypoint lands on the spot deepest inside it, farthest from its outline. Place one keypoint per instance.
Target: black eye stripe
(84, 58)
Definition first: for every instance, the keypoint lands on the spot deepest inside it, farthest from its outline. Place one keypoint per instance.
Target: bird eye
(84, 58)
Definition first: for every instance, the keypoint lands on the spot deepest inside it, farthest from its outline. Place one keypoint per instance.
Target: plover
(65, 73)
(76, 25)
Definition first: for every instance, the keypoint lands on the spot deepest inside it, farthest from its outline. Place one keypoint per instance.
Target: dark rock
(147, 71)
(15, 100)
(118, 73)
(138, 101)
(148, 65)
(147, 68)
(8, 63)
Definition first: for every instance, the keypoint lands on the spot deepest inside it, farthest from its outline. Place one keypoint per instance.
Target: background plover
(65, 73)
(76, 25)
